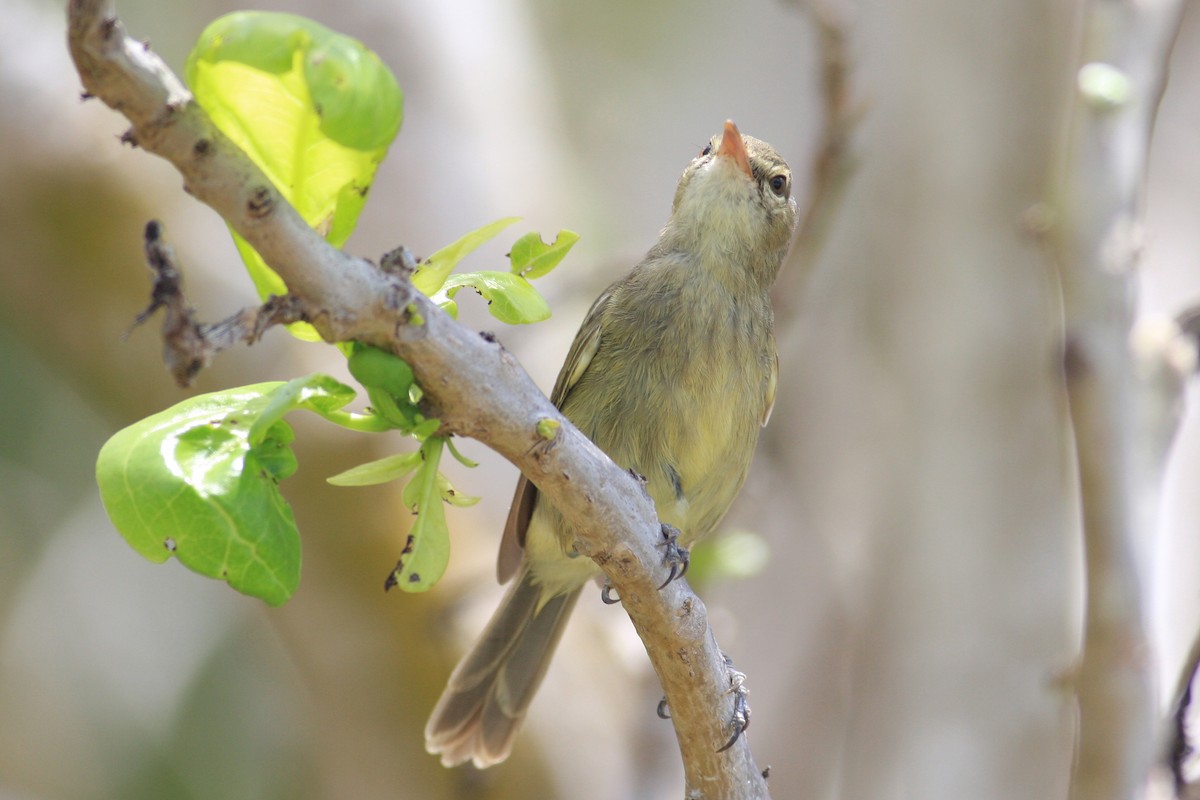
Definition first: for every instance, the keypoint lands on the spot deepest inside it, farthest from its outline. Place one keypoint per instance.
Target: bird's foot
(675, 555)
(741, 708)
(606, 594)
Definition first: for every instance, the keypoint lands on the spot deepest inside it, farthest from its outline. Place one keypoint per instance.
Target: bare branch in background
(1095, 202)
(833, 162)
(472, 384)
(1179, 750)
(1176, 343)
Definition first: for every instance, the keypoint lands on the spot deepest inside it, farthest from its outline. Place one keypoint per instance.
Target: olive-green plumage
(672, 374)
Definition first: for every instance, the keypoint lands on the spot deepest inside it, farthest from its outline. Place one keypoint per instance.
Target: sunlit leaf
(510, 298)
(432, 273)
(380, 471)
(314, 109)
(427, 550)
(533, 258)
(452, 495)
(200, 481)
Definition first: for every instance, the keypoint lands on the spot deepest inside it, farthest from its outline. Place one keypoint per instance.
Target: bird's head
(734, 205)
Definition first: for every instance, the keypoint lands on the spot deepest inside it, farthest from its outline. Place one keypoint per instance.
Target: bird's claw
(606, 595)
(675, 555)
(741, 708)
(663, 711)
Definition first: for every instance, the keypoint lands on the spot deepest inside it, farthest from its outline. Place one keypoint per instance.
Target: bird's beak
(733, 147)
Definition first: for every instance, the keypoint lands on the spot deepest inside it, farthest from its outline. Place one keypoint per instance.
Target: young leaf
(466, 462)
(427, 552)
(452, 496)
(200, 481)
(533, 258)
(432, 273)
(446, 304)
(388, 381)
(381, 471)
(372, 366)
(315, 110)
(511, 298)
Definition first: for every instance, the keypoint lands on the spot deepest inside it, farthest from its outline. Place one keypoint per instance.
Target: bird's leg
(675, 555)
(741, 709)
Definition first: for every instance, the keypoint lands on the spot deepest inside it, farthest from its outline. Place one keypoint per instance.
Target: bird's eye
(779, 184)
(707, 149)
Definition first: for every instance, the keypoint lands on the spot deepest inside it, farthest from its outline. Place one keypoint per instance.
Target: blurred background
(922, 594)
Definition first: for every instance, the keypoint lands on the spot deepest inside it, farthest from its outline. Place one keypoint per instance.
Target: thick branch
(475, 387)
(1096, 213)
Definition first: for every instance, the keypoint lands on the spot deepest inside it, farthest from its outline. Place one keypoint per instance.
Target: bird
(672, 374)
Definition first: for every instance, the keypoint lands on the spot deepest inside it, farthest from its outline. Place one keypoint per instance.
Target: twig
(1095, 202)
(472, 384)
(189, 345)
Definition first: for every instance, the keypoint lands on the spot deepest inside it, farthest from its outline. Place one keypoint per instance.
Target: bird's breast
(676, 391)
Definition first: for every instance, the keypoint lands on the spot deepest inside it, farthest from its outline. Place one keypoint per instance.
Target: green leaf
(427, 550)
(511, 298)
(533, 258)
(200, 481)
(466, 462)
(318, 393)
(447, 305)
(389, 383)
(372, 366)
(381, 471)
(315, 110)
(432, 273)
(452, 495)
(425, 428)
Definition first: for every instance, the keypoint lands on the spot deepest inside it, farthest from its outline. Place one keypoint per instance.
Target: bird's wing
(587, 342)
(772, 384)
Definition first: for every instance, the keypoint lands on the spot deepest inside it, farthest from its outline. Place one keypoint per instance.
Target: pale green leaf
(315, 110)
(380, 471)
(427, 549)
(200, 481)
(511, 298)
(452, 495)
(432, 273)
(533, 258)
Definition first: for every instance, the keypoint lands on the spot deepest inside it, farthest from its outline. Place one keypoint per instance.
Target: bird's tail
(485, 700)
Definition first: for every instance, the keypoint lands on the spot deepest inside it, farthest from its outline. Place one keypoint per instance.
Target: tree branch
(1095, 212)
(474, 386)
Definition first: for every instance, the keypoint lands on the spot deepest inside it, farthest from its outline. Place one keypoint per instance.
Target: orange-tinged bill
(733, 147)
